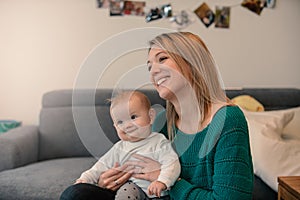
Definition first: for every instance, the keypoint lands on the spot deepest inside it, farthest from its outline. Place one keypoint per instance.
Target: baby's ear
(152, 115)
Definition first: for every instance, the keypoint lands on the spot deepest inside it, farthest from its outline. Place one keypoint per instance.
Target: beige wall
(43, 44)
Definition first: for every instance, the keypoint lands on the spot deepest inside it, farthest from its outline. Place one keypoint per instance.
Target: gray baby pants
(130, 191)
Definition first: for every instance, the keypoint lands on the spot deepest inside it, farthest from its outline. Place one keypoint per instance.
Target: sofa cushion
(58, 136)
(292, 130)
(275, 120)
(37, 181)
(247, 102)
(272, 155)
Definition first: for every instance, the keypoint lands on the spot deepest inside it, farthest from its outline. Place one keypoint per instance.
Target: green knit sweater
(216, 162)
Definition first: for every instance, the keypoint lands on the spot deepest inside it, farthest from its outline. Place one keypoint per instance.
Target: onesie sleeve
(92, 175)
(170, 166)
(106, 162)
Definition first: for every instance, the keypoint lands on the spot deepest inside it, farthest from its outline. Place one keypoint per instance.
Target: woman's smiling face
(164, 73)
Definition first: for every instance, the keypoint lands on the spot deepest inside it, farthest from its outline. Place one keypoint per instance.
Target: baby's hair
(126, 95)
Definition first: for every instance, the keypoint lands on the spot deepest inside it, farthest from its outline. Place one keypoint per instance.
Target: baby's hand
(80, 181)
(156, 187)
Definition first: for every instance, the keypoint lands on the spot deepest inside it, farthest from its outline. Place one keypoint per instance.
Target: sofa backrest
(270, 98)
(68, 127)
(77, 123)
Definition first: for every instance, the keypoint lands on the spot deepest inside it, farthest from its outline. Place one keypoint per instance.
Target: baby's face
(131, 120)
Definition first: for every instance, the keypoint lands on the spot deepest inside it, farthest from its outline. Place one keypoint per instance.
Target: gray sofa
(39, 162)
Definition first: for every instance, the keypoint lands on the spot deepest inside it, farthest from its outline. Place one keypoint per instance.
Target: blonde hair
(197, 65)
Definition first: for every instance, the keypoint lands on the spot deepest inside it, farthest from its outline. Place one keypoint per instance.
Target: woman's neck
(187, 108)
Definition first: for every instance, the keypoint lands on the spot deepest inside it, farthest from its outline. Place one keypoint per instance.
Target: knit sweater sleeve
(231, 164)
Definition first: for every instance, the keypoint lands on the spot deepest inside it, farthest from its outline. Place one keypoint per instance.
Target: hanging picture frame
(205, 14)
(134, 8)
(222, 19)
(103, 3)
(255, 6)
(116, 7)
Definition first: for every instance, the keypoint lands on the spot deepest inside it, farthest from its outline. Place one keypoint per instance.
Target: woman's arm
(232, 179)
(232, 175)
(229, 173)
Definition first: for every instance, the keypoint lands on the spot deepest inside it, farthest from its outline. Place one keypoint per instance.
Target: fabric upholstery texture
(57, 127)
(43, 180)
(18, 147)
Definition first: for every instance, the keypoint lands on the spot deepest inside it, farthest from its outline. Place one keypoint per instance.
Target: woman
(209, 134)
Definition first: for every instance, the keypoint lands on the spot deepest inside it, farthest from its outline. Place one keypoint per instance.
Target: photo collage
(220, 16)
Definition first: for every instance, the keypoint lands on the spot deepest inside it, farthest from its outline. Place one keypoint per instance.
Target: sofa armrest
(18, 147)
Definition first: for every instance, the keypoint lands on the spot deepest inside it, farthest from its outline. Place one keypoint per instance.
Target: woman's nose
(154, 69)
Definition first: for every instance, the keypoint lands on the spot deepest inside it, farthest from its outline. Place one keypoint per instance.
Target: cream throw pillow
(275, 120)
(292, 130)
(272, 156)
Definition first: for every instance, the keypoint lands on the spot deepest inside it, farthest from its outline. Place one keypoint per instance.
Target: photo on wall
(103, 3)
(205, 14)
(222, 19)
(255, 6)
(116, 7)
(134, 8)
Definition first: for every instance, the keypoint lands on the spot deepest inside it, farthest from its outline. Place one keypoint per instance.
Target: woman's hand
(115, 177)
(145, 168)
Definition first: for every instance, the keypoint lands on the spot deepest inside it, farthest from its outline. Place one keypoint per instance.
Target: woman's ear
(152, 115)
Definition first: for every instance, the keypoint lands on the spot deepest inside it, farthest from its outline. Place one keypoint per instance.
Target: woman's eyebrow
(157, 54)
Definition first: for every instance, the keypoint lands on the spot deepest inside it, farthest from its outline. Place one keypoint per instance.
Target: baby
(132, 116)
